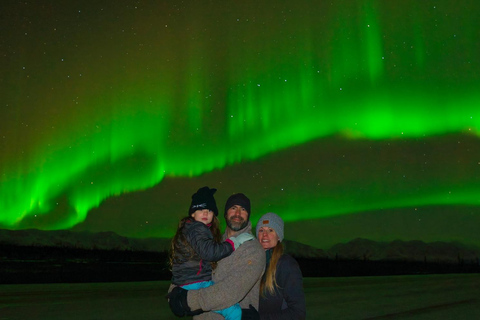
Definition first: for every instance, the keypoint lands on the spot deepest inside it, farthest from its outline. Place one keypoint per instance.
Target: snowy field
(422, 297)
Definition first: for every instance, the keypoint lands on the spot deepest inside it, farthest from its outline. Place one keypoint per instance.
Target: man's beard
(236, 225)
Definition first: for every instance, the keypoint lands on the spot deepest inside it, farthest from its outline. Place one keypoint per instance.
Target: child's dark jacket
(194, 265)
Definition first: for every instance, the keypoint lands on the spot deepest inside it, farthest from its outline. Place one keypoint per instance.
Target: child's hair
(180, 247)
(269, 282)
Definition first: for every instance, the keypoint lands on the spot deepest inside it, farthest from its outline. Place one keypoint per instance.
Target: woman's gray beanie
(271, 220)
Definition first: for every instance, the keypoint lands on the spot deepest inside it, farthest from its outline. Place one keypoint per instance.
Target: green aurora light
(253, 80)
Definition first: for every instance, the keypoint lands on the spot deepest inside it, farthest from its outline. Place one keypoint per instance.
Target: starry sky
(348, 118)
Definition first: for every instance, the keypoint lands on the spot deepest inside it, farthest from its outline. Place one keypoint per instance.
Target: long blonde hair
(269, 282)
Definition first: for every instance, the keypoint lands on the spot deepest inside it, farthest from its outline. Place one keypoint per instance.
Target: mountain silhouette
(356, 249)
(442, 252)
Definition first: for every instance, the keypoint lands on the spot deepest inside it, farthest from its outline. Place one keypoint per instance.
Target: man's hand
(177, 299)
(250, 314)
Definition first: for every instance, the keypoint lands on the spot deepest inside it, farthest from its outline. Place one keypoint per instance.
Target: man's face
(237, 217)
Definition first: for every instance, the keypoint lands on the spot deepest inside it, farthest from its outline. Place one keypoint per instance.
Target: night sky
(353, 118)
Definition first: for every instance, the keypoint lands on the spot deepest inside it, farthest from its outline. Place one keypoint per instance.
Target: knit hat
(238, 199)
(203, 199)
(271, 220)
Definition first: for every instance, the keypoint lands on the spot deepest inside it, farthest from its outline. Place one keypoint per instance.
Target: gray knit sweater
(237, 279)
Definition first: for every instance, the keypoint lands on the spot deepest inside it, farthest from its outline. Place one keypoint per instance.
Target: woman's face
(267, 237)
(204, 216)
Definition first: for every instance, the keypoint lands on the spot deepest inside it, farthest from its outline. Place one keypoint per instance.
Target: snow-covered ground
(421, 297)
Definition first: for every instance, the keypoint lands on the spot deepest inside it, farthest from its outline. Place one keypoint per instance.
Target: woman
(281, 289)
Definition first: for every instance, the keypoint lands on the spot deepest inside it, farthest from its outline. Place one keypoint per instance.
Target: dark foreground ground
(418, 297)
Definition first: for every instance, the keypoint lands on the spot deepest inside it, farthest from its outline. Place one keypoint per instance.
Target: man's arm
(235, 277)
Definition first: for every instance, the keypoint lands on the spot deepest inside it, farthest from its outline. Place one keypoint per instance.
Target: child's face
(204, 216)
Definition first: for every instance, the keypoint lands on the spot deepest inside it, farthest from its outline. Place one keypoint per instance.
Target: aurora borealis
(348, 118)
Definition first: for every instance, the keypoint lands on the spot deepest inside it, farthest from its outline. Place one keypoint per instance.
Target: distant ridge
(364, 249)
(298, 249)
(357, 249)
(82, 240)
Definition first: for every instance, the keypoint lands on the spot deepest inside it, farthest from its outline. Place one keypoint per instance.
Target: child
(197, 246)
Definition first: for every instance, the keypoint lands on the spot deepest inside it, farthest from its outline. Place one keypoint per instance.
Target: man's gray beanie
(271, 220)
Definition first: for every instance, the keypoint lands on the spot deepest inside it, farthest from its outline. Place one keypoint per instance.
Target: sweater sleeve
(290, 280)
(201, 240)
(240, 273)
